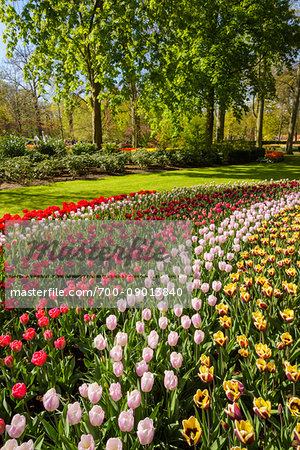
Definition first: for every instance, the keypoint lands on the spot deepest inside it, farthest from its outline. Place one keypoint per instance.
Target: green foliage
(143, 158)
(109, 148)
(52, 147)
(18, 170)
(238, 153)
(47, 168)
(83, 147)
(77, 165)
(12, 146)
(112, 163)
(34, 155)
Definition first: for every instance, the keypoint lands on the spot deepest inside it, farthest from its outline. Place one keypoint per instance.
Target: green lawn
(39, 197)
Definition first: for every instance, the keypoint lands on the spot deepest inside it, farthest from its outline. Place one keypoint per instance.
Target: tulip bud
(9, 361)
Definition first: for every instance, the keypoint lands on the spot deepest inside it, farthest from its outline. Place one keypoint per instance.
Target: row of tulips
(165, 377)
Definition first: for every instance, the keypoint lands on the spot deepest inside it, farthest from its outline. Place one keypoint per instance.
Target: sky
(2, 45)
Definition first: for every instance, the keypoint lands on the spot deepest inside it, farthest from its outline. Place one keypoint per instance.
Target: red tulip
(19, 390)
(60, 343)
(9, 361)
(39, 358)
(16, 346)
(29, 335)
(24, 319)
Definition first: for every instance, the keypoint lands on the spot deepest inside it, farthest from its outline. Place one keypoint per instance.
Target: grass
(39, 197)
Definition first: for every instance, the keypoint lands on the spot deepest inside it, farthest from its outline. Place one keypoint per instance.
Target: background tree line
(143, 68)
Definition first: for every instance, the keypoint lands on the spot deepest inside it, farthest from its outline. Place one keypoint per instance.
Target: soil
(94, 175)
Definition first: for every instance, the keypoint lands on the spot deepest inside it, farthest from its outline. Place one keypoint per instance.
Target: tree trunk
(60, 122)
(259, 121)
(221, 123)
(96, 114)
(38, 116)
(71, 123)
(135, 118)
(280, 127)
(210, 115)
(293, 117)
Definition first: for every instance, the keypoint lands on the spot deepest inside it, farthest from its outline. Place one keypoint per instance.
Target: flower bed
(216, 371)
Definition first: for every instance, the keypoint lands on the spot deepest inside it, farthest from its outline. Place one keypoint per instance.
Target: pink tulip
(162, 306)
(196, 319)
(141, 368)
(198, 336)
(116, 353)
(205, 288)
(94, 392)
(147, 354)
(126, 421)
(146, 314)
(163, 322)
(83, 390)
(51, 400)
(145, 431)
(114, 444)
(176, 360)
(96, 416)
(118, 369)
(185, 322)
(115, 391)
(216, 285)
(100, 342)
(196, 303)
(74, 413)
(17, 426)
(140, 327)
(86, 443)
(153, 339)
(134, 399)
(178, 310)
(121, 305)
(147, 382)
(122, 339)
(26, 445)
(10, 444)
(173, 338)
(171, 380)
(111, 322)
(212, 300)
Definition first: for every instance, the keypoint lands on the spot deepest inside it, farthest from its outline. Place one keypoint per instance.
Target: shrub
(238, 153)
(18, 170)
(34, 155)
(142, 158)
(52, 147)
(48, 168)
(2, 175)
(77, 165)
(110, 147)
(12, 146)
(83, 147)
(200, 156)
(160, 157)
(111, 163)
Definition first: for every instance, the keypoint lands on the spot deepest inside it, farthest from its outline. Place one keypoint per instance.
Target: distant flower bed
(274, 156)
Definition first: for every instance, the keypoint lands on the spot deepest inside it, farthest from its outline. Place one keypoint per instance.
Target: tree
(71, 43)
(292, 123)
